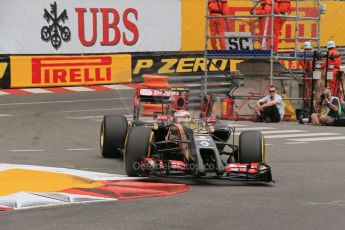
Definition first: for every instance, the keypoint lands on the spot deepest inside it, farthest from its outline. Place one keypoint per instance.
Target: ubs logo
(55, 31)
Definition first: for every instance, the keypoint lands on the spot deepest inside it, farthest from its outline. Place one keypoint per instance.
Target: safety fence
(252, 24)
(265, 24)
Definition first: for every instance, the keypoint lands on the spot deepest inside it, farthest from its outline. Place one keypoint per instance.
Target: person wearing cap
(270, 108)
(334, 60)
(217, 25)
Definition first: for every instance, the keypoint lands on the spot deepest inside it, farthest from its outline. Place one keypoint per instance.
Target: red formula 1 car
(176, 143)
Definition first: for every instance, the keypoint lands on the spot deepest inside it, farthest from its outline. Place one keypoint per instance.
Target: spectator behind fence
(329, 109)
(270, 108)
(218, 26)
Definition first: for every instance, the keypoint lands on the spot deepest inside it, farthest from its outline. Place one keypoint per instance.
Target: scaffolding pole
(257, 52)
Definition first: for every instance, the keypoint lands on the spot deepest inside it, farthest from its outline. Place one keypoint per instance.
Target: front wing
(233, 171)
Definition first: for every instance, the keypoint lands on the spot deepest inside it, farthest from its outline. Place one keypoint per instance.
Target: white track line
(278, 131)
(295, 143)
(283, 131)
(319, 139)
(253, 128)
(3, 93)
(37, 90)
(85, 149)
(300, 135)
(27, 150)
(118, 87)
(79, 89)
(6, 115)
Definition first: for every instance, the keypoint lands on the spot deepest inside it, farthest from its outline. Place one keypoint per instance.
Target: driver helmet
(182, 116)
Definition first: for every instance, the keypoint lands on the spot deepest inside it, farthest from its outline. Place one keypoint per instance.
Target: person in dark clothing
(270, 108)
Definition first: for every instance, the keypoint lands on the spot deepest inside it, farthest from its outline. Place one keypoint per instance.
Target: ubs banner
(88, 26)
(175, 64)
(40, 71)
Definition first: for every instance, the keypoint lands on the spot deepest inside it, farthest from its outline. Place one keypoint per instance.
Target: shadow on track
(207, 181)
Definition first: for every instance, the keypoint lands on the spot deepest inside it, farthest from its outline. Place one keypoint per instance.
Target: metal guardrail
(217, 84)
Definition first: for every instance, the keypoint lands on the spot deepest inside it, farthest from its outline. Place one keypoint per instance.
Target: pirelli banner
(175, 64)
(89, 26)
(51, 71)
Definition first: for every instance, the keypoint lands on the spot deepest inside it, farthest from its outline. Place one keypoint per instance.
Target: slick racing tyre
(251, 147)
(138, 146)
(113, 135)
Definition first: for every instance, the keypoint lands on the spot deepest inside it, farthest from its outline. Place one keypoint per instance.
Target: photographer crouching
(329, 109)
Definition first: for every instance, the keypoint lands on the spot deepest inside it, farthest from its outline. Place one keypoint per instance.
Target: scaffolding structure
(247, 40)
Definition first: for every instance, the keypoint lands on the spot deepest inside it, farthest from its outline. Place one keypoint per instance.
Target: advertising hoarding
(176, 64)
(87, 26)
(43, 71)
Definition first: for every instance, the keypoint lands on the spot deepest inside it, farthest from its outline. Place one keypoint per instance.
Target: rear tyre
(138, 146)
(113, 135)
(251, 147)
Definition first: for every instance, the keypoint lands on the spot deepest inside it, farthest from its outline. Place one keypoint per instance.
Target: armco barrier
(184, 71)
(155, 82)
(217, 84)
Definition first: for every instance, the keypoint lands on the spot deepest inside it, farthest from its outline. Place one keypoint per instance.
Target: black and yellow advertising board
(5, 71)
(175, 64)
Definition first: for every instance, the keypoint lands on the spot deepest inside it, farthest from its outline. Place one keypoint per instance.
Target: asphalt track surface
(62, 130)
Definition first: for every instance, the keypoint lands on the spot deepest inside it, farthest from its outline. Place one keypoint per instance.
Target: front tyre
(138, 146)
(251, 147)
(113, 135)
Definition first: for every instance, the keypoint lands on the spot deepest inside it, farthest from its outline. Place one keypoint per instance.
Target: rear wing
(177, 98)
(155, 96)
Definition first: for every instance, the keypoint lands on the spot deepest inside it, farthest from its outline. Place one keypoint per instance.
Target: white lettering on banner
(88, 26)
(239, 41)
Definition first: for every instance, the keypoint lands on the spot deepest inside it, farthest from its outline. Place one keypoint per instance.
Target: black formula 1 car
(175, 143)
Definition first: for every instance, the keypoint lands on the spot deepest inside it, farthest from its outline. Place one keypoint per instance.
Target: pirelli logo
(52, 71)
(70, 70)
